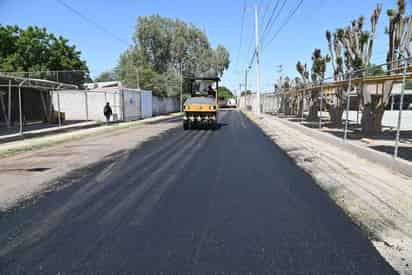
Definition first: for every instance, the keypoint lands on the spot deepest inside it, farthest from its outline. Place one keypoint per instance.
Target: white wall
(97, 100)
(136, 104)
(147, 104)
(390, 119)
(165, 105)
(248, 102)
(73, 103)
(132, 107)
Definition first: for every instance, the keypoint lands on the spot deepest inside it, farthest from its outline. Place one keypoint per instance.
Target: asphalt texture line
(227, 201)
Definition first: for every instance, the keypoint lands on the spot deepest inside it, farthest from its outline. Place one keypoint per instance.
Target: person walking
(107, 112)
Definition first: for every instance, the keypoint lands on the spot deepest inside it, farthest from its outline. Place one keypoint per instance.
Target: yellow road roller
(201, 110)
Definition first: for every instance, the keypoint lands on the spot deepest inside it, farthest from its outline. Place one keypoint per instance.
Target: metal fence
(28, 103)
(358, 95)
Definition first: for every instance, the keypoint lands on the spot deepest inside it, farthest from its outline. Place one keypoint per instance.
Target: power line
(92, 22)
(241, 32)
(251, 44)
(271, 15)
(274, 17)
(285, 22)
(265, 11)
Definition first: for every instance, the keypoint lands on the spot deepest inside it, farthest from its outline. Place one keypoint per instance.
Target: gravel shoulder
(29, 168)
(375, 197)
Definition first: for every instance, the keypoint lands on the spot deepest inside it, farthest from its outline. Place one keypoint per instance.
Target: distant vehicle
(231, 103)
(222, 103)
(201, 109)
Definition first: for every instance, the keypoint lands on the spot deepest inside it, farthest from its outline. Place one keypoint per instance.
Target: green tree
(34, 49)
(244, 93)
(304, 74)
(169, 49)
(317, 75)
(224, 92)
(106, 76)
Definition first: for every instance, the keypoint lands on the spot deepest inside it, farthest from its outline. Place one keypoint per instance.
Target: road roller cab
(201, 109)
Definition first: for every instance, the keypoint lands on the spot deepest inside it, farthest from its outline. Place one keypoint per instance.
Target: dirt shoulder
(34, 166)
(377, 198)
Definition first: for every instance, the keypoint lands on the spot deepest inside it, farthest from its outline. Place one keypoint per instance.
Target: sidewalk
(57, 136)
(42, 129)
(378, 199)
(28, 174)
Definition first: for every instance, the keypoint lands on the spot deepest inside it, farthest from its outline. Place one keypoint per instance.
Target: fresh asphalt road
(188, 202)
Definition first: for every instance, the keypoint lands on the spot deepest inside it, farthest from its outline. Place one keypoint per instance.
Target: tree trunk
(335, 113)
(294, 106)
(313, 111)
(314, 106)
(288, 109)
(283, 104)
(372, 120)
(300, 109)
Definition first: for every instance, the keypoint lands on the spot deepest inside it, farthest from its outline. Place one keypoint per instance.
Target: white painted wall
(165, 105)
(132, 107)
(147, 104)
(390, 119)
(97, 100)
(73, 103)
(136, 104)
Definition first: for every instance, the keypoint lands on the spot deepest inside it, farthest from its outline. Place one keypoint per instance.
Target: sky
(221, 20)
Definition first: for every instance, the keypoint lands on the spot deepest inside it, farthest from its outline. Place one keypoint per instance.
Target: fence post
(86, 103)
(58, 109)
(303, 105)
(321, 104)
(348, 94)
(398, 129)
(20, 113)
(9, 106)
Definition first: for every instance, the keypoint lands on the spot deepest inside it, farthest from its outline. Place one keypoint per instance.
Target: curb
(56, 130)
(398, 165)
(52, 138)
(73, 128)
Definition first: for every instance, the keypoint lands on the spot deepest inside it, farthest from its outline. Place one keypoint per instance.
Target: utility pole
(280, 83)
(181, 91)
(257, 60)
(280, 73)
(246, 80)
(398, 128)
